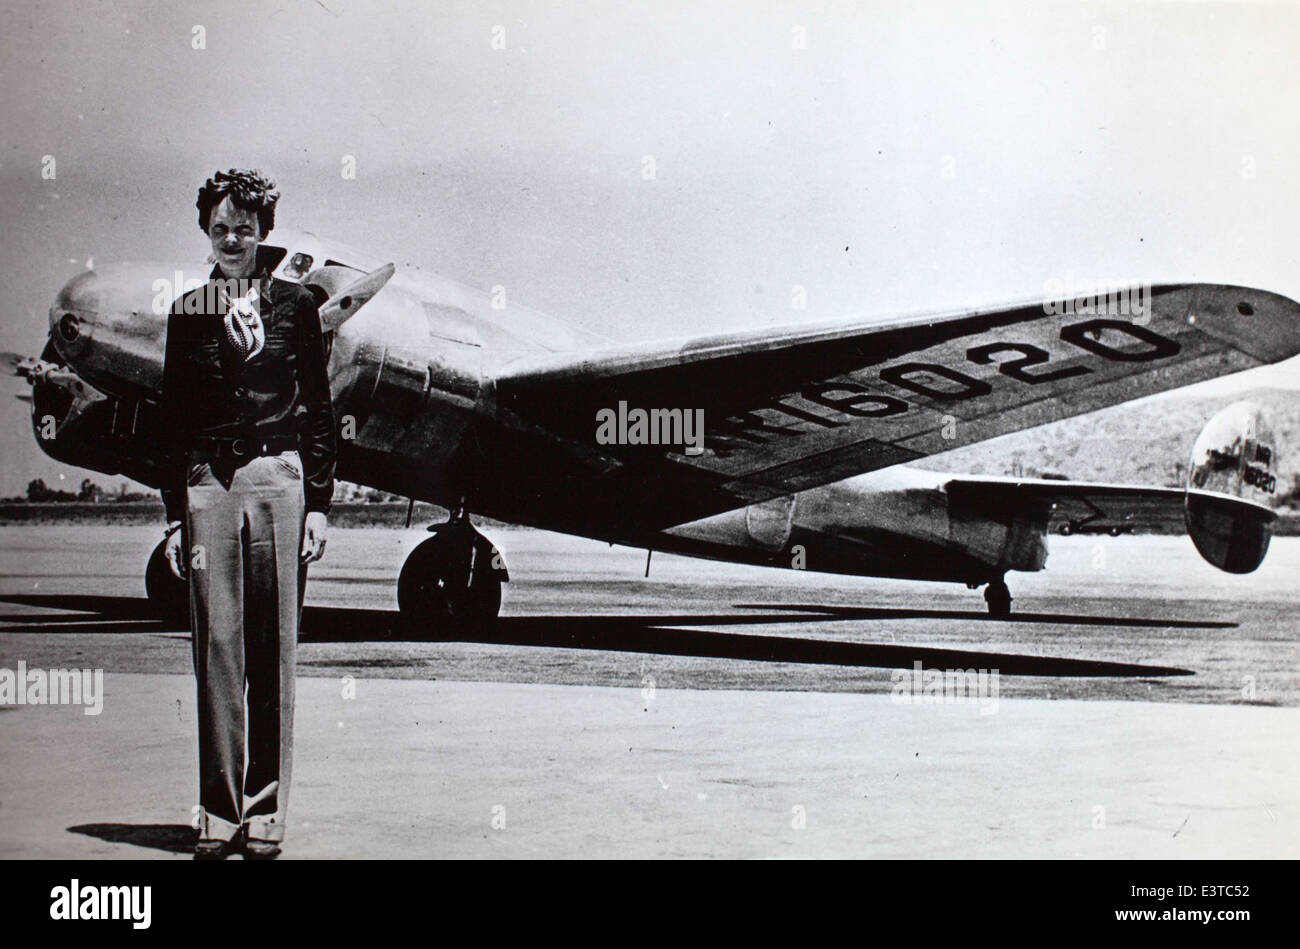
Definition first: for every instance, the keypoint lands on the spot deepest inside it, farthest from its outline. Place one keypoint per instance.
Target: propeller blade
(84, 395)
(69, 380)
(344, 304)
(79, 406)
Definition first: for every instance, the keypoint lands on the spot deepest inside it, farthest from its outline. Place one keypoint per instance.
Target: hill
(1144, 442)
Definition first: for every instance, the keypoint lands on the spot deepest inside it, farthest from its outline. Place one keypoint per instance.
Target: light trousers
(244, 529)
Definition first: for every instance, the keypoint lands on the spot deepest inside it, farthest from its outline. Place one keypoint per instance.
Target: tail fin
(1234, 460)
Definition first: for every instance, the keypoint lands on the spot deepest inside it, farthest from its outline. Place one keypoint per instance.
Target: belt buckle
(239, 447)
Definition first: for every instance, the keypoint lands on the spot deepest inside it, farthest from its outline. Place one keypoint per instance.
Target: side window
(297, 267)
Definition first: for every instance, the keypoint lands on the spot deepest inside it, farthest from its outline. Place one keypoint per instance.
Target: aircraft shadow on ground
(175, 838)
(660, 634)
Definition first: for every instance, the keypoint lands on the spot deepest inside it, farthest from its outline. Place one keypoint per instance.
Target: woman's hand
(313, 537)
(172, 550)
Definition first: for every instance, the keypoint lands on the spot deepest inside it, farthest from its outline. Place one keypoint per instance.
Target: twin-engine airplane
(801, 461)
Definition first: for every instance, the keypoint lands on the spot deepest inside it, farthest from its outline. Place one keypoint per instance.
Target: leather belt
(243, 446)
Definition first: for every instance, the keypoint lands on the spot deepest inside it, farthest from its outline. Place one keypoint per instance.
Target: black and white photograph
(584, 431)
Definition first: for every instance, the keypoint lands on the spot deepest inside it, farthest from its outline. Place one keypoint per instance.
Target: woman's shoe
(261, 849)
(213, 849)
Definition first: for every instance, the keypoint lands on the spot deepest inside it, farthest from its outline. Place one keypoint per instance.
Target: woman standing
(247, 396)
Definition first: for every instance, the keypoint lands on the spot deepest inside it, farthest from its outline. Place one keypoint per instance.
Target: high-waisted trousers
(244, 531)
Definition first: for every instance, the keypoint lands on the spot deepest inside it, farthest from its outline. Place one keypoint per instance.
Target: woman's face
(235, 236)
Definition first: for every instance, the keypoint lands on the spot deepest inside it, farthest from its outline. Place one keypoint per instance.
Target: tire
(435, 594)
(169, 596)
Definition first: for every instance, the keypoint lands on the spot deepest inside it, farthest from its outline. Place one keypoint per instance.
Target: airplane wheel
(436, 594)
(998, 598)
(169, 596)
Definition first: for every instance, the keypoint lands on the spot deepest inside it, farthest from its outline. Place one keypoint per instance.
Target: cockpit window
(297, 267)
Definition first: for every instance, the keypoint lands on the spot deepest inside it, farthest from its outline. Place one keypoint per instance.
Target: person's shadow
(174, 838)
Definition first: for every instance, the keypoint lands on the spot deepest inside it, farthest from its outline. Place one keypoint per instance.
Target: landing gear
(998, 598)
(169, 596)
(450, 582)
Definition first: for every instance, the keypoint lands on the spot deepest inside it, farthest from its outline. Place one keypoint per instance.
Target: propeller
(344, 304)
(37, 370)
(69, 380)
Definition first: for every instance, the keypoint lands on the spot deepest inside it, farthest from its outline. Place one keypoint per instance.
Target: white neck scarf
(243, 322)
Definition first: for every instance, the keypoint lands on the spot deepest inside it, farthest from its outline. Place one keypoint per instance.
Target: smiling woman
(251, 427)
(248, 191)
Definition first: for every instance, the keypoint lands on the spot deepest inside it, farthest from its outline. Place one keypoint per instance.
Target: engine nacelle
(1230, 480)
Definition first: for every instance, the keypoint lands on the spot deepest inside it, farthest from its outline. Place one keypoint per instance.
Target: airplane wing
(1070, 507)
(788, 410)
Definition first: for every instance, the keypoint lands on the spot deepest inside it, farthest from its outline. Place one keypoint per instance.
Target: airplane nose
(104, 325)
(74, 314)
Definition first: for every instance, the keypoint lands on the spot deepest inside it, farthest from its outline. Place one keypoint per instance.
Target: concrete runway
(687, 714)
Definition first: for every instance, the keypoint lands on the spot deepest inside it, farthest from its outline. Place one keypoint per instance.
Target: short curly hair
(249, 189)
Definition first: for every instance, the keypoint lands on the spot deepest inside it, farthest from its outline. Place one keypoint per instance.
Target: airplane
(799, 460)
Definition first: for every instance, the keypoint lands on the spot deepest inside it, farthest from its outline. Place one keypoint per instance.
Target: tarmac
(712, 710)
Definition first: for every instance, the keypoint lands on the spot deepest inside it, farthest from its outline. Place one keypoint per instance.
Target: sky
(886, 158)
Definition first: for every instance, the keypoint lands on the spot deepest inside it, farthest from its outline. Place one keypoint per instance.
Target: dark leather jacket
(208, 390)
